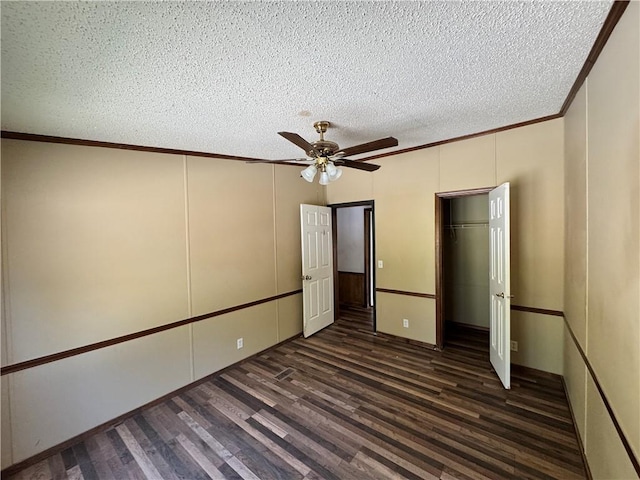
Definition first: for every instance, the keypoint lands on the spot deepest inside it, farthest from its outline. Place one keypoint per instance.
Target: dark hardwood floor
(343, 404)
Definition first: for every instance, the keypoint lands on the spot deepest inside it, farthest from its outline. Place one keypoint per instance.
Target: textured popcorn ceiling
(224, 77)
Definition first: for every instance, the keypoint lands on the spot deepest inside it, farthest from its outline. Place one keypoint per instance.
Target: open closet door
(317, 268)
(500, 283)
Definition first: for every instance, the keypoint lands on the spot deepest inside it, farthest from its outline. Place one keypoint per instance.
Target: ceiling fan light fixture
(309, 173)
(324, 178)
(334, 172)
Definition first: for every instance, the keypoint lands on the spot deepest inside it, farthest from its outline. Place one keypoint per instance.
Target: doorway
(462, 263)
(353, 255)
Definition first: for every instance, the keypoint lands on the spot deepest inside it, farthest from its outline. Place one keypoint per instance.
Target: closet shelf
(468, 225)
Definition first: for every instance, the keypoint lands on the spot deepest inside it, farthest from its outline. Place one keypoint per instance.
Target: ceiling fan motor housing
(324, 147)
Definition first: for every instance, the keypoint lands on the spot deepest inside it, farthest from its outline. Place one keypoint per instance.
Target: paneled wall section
(531, 158)
(602, 282)
(98, 243)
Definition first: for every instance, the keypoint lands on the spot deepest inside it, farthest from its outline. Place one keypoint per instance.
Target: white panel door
(317, 268)
(500, 283)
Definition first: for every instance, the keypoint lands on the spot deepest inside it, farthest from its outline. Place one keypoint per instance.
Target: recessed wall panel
(7, 440)
(291, 191)
(353, 186)
(468, 164)
(215, 339)
(231, 233)
(404, 219)
(575, 284)
(540, 341)
(289, 317)
(531, 158)
(59, 400)
(605, 452)
(94, 241)
(391, 309)
(575, 378)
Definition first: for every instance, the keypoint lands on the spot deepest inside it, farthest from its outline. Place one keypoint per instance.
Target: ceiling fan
(328, 157)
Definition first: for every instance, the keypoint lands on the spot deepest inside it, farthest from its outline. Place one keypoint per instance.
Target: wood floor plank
(74, 473)
(39, 471)
(200, 457)
(344, 404)
(56, 467)
(138, 453)
(98, 456)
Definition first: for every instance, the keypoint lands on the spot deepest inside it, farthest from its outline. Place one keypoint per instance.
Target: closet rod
(468, 225)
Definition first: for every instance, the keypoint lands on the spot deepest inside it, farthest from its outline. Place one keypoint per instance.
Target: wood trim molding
(542, 311)
(625, 442)
(462, 137)
(617, 9)
(172, 151)
(409, 294)
(440, 287)
(36, 362)
(121, 146)
(367, 221)
(465, 193)
(363, 203)
(16, 467)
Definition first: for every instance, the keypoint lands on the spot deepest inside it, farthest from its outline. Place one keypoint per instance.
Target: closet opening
(462, 265)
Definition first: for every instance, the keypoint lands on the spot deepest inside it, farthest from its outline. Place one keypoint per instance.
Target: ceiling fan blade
(369, 167)
(298, 140)
(295, 162)
(369, 146)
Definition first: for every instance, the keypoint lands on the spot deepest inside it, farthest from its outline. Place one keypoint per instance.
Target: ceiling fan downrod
(321, 127)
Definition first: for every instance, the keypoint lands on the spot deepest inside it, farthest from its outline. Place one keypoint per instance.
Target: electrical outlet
(405, 323)
(240, 343)
(514, 346)
(380, 264)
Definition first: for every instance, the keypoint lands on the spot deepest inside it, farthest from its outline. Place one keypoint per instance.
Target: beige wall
(602, 294)
(99, 243)
(531, 158)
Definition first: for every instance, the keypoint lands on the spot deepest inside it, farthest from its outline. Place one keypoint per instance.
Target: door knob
(501, 295)
(306, 277)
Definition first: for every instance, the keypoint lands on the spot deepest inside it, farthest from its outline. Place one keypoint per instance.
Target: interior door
(317, 268)
(499, 283)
